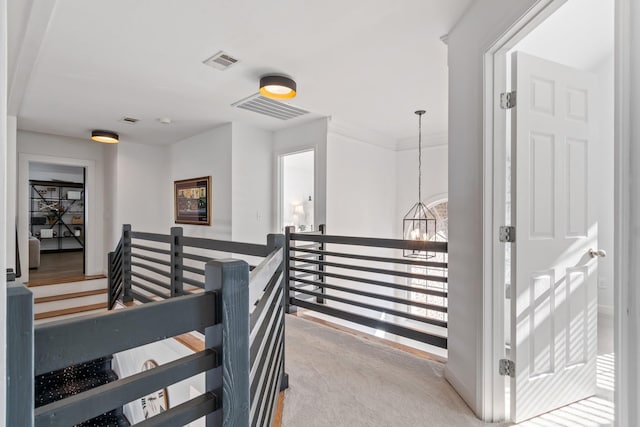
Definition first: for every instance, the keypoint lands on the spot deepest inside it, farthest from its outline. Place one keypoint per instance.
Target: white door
(554, 303)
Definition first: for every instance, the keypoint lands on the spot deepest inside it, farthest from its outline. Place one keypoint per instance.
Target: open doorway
(577, 39)
(56, 215)
(296, 191)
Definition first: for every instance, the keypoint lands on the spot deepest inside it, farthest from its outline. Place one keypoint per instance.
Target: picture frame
(192, 201)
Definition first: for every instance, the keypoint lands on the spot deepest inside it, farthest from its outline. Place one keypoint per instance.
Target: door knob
(597, 253)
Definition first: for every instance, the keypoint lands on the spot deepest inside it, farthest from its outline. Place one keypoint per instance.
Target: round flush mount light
(105, 136)
(277, 87)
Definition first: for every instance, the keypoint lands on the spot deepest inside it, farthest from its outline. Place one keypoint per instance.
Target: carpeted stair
(66, 382)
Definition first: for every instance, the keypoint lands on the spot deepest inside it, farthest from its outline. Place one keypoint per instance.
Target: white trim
(626, 369)
(279, 156)
(492, 385)
(92, 251)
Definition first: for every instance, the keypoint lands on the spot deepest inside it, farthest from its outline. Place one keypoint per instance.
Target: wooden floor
(58, 265)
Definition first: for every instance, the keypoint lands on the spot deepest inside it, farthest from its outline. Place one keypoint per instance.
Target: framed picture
(192, 201)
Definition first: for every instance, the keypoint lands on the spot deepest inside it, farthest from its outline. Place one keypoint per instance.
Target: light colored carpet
(337, 379)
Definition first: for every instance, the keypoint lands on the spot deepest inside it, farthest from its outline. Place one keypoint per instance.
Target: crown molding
(428, 141)
(361, 134)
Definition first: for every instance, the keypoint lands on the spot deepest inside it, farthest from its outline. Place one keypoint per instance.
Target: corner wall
(481, 26)
(251, 184)
(3, 207)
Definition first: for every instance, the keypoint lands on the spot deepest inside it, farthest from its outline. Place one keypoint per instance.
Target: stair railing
(240, 313)
(367, 281)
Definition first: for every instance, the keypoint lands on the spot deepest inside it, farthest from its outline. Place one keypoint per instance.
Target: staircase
(55, 301)
(57, 385)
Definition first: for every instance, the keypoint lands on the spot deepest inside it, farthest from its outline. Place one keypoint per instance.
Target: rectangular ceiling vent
(269, 107)
(129, 120)
(220, 61)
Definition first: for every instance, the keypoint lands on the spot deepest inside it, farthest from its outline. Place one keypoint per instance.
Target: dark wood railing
(364, 280)
(240, 313)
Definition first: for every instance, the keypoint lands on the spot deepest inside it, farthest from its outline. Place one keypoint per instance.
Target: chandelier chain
(420, 113)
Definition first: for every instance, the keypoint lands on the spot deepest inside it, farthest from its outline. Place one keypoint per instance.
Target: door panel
(554, 303)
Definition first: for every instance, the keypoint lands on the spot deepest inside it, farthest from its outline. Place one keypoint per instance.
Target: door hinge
(507, 100)
(508, 234)
(507, 368)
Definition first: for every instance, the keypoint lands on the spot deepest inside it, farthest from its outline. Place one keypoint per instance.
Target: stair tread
(69, 296)
(71, 310)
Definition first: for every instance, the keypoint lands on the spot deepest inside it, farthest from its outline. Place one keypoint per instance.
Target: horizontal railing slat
(187, 412)
(260, 277)
(150, 289)
(193, 282)
(161, 238)
(392, 328)
(148, 267)
(140, 297)
(407, 261)
(265, 330)
(150, 279)
(151, 249)
(270, 389)
(369, 281)
(195, 270)
(72, 341)
(373, 295)
(379, 309)
(196, 257)
(96, 401)
(224, 246)
(396, 273)
(151, 259)
(266, 301)
(418, 245)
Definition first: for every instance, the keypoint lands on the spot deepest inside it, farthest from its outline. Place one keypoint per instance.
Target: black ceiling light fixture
(420, 222)
(105, 136)
(277, 87)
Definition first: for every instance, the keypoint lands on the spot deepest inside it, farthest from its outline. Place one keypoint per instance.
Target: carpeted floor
(337, 379)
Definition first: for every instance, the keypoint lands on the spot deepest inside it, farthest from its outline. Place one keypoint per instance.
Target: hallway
(337, 379)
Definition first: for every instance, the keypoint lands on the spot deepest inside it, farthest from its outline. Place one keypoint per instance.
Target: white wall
(144, 191)
(252, 184)
(628, 197)
(209, 153)
(3, 207)
(312, 135)
(55, 149)
(11, 210)
(361, 188)
(112, 230)
(482, 24)
(434, 178)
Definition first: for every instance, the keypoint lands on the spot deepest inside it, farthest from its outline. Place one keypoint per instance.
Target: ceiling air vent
(269, 107)
(129, 120)
(220, 61)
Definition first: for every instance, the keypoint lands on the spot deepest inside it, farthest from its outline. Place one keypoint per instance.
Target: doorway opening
(577, 37)
(296, 207)
(57, 219)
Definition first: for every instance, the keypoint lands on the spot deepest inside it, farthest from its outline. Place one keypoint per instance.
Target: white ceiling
(366, 63)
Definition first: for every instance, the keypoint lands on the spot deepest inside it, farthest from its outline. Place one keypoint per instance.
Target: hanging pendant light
(419, 223)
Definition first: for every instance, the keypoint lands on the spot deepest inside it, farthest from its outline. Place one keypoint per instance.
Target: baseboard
(463, 391)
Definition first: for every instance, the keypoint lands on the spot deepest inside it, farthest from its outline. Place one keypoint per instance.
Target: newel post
(229, 279)
(20, 401)
(321, 259)
(176, 262)
(126, 263)
(288, 308)
(275, 241)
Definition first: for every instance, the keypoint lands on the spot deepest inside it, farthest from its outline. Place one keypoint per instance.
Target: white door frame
(92, 251)
(492, 384)
(280, 182)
